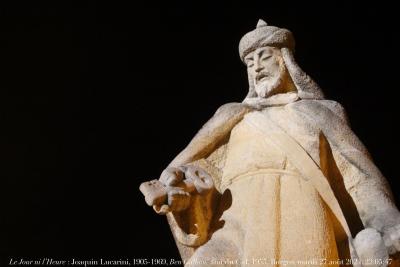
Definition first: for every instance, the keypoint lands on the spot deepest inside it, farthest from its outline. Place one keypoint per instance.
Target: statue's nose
(258, 67)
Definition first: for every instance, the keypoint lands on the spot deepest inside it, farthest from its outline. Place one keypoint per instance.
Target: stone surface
(279, 179)
(370, 245)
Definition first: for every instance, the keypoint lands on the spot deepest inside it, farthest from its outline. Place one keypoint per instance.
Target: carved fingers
(201, 180)
(177, 200)
(171, 176)
(391, 238)
(188, 178)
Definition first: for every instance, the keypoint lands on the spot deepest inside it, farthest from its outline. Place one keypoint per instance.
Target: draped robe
(275, 215)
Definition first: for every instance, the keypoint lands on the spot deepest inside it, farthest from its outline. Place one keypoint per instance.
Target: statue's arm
(211, 134)
(196, 218)
(367, 187)
(364, 182)
(173, 185)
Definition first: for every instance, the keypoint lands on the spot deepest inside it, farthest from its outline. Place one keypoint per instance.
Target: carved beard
(265, 89)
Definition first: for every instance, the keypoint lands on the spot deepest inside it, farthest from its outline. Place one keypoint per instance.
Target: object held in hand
(155, 193)
(165, 198)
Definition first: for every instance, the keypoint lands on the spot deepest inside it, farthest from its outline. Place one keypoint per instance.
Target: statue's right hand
(178, 199)
(171, 176)
(172, 191)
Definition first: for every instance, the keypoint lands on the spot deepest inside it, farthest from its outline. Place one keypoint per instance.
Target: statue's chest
(248, 149)
(299, 125)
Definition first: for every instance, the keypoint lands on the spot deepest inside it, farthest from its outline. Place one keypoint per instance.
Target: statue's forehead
(262, 49)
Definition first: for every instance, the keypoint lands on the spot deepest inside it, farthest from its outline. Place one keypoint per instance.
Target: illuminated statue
(278, 178)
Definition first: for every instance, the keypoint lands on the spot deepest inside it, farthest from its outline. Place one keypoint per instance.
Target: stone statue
(279, 179)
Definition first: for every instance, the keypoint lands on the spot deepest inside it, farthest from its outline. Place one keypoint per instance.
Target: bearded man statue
(278, 179)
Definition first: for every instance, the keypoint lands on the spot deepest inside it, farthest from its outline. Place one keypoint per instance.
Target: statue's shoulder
(326, 108)
(231, 109)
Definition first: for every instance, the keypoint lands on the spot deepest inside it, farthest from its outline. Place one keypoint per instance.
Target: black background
(97, 97)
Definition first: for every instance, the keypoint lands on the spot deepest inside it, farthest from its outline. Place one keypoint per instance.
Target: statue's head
(267, 72)
(267, 52)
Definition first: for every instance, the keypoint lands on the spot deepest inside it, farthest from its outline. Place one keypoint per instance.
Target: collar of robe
(275, 100)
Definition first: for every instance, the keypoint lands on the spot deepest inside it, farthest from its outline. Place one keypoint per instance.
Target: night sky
(97, 97)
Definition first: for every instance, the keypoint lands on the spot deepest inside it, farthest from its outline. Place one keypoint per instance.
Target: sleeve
(192, 227)
(363, 181)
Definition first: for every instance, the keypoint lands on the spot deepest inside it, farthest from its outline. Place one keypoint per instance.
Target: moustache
(262, 75)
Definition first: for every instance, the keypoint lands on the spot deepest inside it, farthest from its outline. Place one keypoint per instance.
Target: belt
(227, 182)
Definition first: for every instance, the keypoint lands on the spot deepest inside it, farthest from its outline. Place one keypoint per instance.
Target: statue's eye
(264, 58)
(249, 62)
